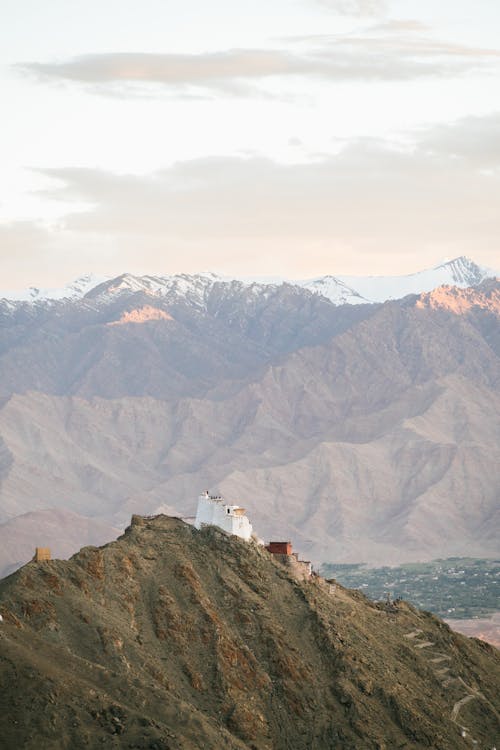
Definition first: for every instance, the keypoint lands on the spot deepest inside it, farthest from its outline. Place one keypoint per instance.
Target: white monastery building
(213, 511)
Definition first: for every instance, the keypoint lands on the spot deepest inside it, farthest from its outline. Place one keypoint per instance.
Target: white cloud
(403, 24)
(393, 51)
(356, 7)
(33, 253)
(253, 215)
(474, 139)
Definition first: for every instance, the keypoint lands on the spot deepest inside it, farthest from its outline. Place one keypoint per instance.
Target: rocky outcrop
(462, 301)
(143, 314)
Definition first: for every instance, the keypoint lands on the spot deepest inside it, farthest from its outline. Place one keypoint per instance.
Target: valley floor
(485, 628)
(463, 591)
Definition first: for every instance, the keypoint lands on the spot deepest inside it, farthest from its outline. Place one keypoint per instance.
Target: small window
(229, 510)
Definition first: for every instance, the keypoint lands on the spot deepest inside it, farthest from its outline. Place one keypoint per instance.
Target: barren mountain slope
(105, 345)
(172, 638)
(413, 480)
(458, 300)
(380, 443)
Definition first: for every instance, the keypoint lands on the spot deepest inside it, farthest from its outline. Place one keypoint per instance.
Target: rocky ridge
(462, 301)
(174, 638)
(340, 290)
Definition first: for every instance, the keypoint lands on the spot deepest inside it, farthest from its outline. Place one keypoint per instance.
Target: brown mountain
(186, 347)
(363, 433)
(173, 638)
(486, 297)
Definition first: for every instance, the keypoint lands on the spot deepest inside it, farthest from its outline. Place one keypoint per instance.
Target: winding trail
(446, 677)
(458, 705)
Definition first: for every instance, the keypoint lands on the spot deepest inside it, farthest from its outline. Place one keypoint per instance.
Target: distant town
(455, 588)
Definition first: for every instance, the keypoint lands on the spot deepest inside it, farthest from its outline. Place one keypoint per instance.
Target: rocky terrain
(365, 433)
(174, 638)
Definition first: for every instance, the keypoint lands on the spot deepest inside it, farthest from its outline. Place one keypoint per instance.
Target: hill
(172, 638)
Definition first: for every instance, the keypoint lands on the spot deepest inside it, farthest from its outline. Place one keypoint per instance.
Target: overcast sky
(289, 137)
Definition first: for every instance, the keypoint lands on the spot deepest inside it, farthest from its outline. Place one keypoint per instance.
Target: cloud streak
(474, 140)
(355, 7)
(391, 51)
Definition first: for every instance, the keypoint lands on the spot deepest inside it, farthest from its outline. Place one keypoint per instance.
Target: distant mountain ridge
(461, 272)
(74, 290)
(340, 290)
(364, 432)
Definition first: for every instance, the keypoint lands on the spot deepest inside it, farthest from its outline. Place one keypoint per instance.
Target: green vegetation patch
(456, 588)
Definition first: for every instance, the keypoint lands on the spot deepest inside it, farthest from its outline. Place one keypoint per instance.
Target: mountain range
(355, 290)
(176, 639)
(364, 432)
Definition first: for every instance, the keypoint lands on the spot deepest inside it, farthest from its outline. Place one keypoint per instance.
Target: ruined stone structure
(42, 554)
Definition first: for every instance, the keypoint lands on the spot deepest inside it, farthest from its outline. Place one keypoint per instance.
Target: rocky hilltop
(172, 638)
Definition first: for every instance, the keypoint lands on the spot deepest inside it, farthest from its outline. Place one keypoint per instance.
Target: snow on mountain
(461, 272)
(335, 290)
(358, 290)
(195, 288)
(74, 290)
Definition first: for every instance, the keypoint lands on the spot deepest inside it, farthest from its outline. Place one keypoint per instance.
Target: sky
(287, 137)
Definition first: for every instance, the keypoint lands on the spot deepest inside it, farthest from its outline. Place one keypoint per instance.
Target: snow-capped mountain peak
(74, 290)
(461, 272)
(195, 288)
(464, 272)
(334, 289)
